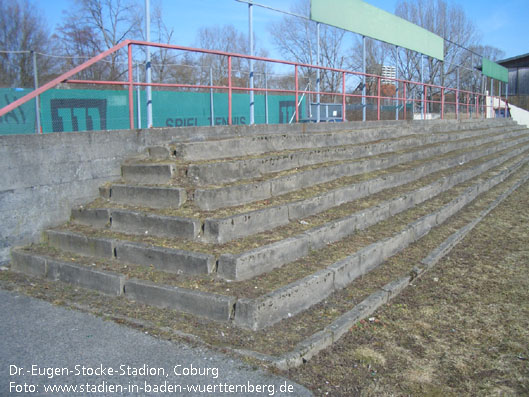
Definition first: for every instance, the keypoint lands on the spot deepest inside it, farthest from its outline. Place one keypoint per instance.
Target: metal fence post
(364, 78)
(423, 93)
(211, 105)
(266, 93)
(442, 103)
(397, 85)
(297, 93)
(148, 70)
(37, 98)
(405, 101)
(457, 95)
(318, 76)
(138, 96)
(378, 98)
(250, 28)
(425, 100)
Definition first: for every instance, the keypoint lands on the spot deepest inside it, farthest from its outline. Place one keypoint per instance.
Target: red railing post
(229, 91)
(468, 106)
(343, 96)
(131, 95)
(378, 98)
(405, 99)
(297, 92)
(457, 104)
(442, 103)
(425, 104)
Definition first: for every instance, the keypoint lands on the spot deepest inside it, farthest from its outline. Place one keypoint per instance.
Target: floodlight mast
(318, 72)
(148, 63)
(250, 34)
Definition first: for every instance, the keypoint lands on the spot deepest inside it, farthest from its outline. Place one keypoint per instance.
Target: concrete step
(248, 146)
(149, 196)
(209, 199)
(335, 146)
(259, 313)
(222, 230)
(134, 222)
(164, 259)
(267, 257)
(264, 310)
(222, 172)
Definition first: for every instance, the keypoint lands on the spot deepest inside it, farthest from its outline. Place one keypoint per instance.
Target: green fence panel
(69, 110)
(20, 120)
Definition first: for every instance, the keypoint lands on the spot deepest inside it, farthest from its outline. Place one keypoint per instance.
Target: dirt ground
(462, 329)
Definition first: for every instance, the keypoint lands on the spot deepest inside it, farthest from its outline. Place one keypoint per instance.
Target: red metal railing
(437, 93)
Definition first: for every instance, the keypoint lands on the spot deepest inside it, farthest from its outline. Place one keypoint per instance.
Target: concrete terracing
(187, 216)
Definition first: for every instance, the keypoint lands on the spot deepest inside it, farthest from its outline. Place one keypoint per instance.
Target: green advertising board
(367, 20)
(492, 69)
(67, 110)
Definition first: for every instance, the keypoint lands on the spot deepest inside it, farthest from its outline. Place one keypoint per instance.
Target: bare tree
(22, 29)
(446, 20)
(296, 40)
(226, 39)
(94, 26)
(163, 60)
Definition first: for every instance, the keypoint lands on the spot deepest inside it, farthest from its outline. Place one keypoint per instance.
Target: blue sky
(502, 24)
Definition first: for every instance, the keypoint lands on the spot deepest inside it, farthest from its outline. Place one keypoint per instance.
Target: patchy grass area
(463, 329)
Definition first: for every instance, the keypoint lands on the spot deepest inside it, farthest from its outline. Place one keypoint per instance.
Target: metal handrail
(424, 87)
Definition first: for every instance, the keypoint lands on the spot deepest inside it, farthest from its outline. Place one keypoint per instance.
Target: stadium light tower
(148, 63)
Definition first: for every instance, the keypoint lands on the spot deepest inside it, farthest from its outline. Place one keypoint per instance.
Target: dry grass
(461, 330)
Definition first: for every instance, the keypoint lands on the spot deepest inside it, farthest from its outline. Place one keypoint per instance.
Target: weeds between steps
(190, 210)
(278, 338)
(288, 273)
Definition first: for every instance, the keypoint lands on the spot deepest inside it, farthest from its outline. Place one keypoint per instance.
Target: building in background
(518, 80)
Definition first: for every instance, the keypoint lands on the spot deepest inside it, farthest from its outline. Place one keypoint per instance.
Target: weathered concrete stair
(238, 224)
(337, 184)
